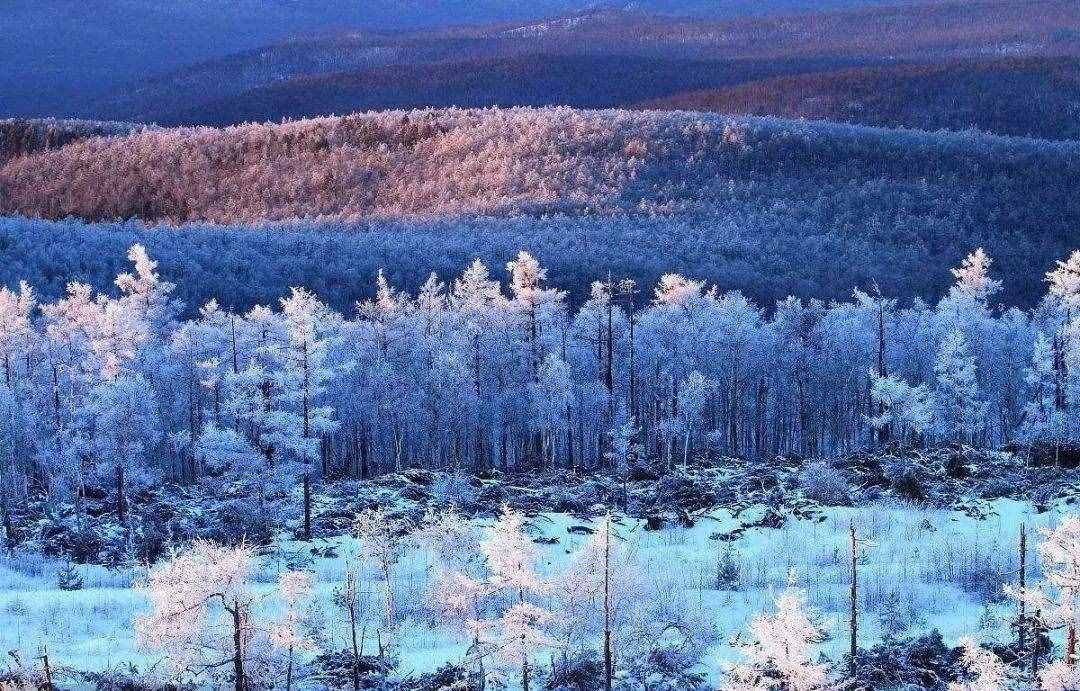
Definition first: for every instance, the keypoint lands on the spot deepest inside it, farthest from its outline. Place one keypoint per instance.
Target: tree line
(116, 390)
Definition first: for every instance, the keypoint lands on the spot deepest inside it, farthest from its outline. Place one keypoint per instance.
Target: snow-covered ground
(936, 568)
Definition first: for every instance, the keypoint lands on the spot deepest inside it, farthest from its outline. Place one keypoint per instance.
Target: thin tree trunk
(1021, 619)
(854, 624)
(307, 505)
(239, 683)
(121, 499)
(607, 606)
(355, 649)
(48, 669)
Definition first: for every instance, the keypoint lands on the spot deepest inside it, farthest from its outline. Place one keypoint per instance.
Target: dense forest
(467, 375)
(733, 200)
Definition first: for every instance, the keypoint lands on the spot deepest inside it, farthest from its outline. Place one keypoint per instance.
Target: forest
(468, 375)
(114, 407)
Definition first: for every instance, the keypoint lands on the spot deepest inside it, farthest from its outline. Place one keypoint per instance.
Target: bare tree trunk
(307, 504)
(607, 606)
(854, 624)
(1070, 645)
(288, 671)
(1035, 648)
(121, 499)
(239, 683)
(48, 669)
(9, 527)
(355, 649)
(1021, 619)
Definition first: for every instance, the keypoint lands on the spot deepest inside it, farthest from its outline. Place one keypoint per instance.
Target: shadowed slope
(1013, 96)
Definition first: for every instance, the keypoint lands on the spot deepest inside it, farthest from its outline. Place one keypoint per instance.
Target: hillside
(595, 58)
(23, 137)
(1036, 97)
(61, 57)
(580, 81)
(769, 206)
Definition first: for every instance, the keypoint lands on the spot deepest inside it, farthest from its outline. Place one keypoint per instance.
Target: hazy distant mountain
(60, 54)
(592, 59)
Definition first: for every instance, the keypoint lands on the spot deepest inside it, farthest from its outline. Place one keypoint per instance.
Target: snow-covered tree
(521, 627)
(1057, 600)
(778, 656)
(985, 670)
(381, 543)
(595, 594)
(906, 410)
(1044, 420)
(123, 425)
(959, 410)
(694, 392)
(16, 332)
(297, 424)
(973, 276)
(1059, 676)
(200, 615)
(290, 632)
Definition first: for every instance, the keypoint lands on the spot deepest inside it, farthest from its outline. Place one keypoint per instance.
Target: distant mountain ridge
(594, 59)
(60, 56)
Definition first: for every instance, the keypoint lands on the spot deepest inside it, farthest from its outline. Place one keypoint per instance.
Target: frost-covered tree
(985, 670)
(1057, 600)
(906, 410)
(973, 276)
(1064, 282)
(959, 410)
(290, 632)
(778, 656)
(16, 333)
(595, 593)
(296, 426)
(1044, 420)
(552, 396)
(200, 614)
(694, 392)
(1059, 676)
(123, 431)
(380, 538)
(520, 628)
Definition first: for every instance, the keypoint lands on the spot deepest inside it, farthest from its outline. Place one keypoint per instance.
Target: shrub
(824, 483)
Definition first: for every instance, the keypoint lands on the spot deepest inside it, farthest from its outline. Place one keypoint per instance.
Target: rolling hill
(60, 57)
(770, 206)
(596, 58)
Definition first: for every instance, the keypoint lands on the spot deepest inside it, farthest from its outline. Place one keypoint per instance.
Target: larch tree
(594, 593)
(959, 410)
(985, 670)
(381, 543)
(200, 614)
(124, 430)
(778, 656)
(1057, 600)
(298, 424)
(1064, 280)
(520, 629)
(694, 392)
(16, 332)
(1044, 419)
(904, 409)
(289, 633)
